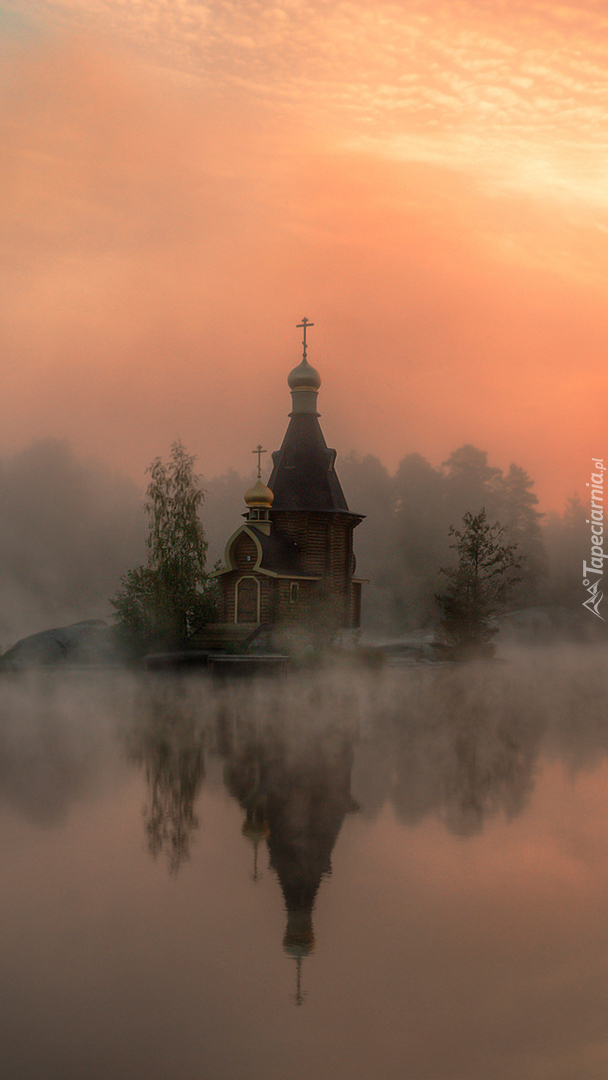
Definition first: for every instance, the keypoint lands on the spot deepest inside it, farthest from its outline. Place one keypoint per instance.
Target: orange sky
(427, 182)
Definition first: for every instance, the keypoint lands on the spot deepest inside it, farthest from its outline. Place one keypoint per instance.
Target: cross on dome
(258, 450)
(303, 326)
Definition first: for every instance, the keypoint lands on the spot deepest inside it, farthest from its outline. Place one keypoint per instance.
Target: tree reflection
(454, 747)
(460, 745)
(169, 742)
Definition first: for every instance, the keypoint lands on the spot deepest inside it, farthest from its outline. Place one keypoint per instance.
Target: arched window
(248, 600)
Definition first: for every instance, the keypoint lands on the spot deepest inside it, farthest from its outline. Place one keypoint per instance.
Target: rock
(87, 643)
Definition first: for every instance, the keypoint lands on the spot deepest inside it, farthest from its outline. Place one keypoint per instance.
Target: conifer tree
(478, 586)
(522, 523)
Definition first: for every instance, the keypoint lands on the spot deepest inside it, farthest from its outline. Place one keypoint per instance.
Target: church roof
(304, 477)
(279, 554)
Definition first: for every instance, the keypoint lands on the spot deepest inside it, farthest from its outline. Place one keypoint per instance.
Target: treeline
(404, 540)
(70, 528)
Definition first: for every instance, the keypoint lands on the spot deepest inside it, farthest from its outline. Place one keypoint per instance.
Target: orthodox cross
(299, 996)
(303, 326)
(259, 452)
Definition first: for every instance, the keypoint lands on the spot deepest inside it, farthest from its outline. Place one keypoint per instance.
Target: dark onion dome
(304, 377)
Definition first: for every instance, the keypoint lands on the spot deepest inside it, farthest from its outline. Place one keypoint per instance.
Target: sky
(427, 182)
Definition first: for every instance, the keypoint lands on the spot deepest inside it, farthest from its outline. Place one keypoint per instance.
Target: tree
(369, 490)
(419, 531)
(162, 603)
(523, 529)
(567, 538)
(470, 481)
(479, 584)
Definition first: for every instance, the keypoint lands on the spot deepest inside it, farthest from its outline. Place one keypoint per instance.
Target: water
(399, 875)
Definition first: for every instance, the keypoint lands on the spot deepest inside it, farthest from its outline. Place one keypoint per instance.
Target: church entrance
(248, 600)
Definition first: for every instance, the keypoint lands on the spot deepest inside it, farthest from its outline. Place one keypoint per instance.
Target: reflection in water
(55, 741)
(295, 794)
(473, 878)
(168, 741)
(447, 743)
(455, 747)
(292, 781)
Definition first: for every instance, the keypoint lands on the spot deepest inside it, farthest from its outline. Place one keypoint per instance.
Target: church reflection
(296, 771)
(295, 796)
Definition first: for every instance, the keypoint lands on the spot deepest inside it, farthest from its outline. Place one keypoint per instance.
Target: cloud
(165, 234)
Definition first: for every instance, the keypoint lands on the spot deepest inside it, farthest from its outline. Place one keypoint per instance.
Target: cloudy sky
(426, 181)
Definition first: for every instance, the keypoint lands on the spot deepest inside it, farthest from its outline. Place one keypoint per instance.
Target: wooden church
(293, 558)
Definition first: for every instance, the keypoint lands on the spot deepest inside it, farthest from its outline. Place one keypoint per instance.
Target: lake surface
(401, 875)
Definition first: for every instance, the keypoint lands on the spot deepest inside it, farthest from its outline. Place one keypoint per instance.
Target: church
(293, 558)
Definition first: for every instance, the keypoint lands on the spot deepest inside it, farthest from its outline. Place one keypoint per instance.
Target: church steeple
(304, 381)
(303, 476)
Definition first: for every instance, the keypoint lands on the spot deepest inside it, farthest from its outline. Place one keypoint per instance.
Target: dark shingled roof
(279, 554)
(304, 477)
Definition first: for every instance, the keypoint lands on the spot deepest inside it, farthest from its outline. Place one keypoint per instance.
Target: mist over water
(472, 732)
(415, 856)
(70, 528)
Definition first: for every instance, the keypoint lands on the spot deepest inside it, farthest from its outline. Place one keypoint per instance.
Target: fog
(70, 527)
(459, 744)
(416, 856)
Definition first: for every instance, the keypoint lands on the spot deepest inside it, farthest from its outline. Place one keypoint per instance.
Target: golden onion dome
(304, 377)
(259, 496)
(255, 831)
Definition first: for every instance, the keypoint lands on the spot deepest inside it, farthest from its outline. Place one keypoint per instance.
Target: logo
(596, 521)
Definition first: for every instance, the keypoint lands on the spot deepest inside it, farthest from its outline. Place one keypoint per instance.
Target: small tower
(259, 499)
(295, 548)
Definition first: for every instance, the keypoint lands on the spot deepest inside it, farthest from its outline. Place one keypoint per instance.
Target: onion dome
(304, 377)
(304, 381)
(255, 831)
(259, 496)
(299, 939)
(255, 826)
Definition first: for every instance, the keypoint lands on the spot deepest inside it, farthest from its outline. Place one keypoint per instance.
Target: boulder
(86, 643)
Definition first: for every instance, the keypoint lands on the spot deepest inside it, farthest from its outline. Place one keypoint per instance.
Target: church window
(294, 592)
(248, 600)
